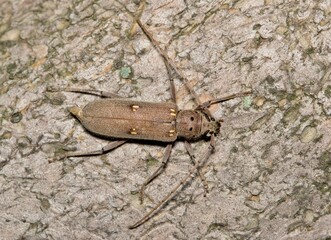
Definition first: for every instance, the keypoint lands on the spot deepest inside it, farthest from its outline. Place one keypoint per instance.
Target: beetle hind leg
(95, 92)
(105, 149)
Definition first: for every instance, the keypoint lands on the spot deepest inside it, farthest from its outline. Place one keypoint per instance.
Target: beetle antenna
(169, 61)
(208, 103)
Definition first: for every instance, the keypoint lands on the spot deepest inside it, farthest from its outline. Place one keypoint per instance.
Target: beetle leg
(95, 92)
(170, 195)
(192, 156)
(105, 149)
(165, 160)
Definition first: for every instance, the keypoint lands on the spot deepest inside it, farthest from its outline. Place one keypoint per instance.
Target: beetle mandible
(125, 119)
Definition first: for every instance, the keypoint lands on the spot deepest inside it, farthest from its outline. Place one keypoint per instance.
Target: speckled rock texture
(270, 177)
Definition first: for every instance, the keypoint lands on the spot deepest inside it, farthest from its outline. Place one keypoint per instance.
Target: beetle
(128, 119)
(123, 119)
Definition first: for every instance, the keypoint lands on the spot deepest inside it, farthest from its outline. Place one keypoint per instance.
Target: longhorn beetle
(125, 119)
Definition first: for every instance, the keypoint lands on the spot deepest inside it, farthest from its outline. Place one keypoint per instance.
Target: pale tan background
(270, 175)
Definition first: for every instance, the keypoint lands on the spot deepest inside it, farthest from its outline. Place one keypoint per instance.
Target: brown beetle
(124, 119)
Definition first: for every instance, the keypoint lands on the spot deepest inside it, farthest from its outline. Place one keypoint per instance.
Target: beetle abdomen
(120, 118)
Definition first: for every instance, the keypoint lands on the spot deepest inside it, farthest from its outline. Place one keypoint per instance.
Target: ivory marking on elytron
(171, 132)
(173, 112)
(133, 131)
(135, 108)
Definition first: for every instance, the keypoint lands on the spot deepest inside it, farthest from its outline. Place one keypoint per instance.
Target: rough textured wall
(270, 175)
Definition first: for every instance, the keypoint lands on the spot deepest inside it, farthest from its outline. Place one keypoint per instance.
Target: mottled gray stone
(270, 175)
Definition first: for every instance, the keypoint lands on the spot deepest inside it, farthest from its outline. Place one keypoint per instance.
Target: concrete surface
(270, 175)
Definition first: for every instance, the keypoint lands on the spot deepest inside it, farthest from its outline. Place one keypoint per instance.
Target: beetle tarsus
(57, 158)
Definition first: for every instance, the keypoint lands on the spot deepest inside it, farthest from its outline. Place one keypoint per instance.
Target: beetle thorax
(192, 124)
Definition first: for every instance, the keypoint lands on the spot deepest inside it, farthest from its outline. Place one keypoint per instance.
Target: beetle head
(193, 124)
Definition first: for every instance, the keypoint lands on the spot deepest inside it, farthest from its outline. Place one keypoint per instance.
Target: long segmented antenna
(169, 61)
(201, 105)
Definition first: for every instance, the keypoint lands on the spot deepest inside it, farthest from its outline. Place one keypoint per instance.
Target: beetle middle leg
(103, 150)
(158, 171)
(167, 152)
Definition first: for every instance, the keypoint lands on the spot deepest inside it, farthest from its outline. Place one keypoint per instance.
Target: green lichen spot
(325, 161)
(247, 102)
(56, 99)
(6, 135)
(327, 91)
(215, 227)
(151, 161)
(291, 114)
(247, 59)
(11, 67)
(310, 50)
(308, 134)
(323, 187)
(126, 72)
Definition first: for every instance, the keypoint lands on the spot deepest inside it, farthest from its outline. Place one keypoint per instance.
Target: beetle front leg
(101, 151)
(95, 92)
(172, 193)
(165, 160)
(202, 177)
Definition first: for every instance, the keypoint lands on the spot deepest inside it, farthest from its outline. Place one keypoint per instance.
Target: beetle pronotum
(125, 119)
